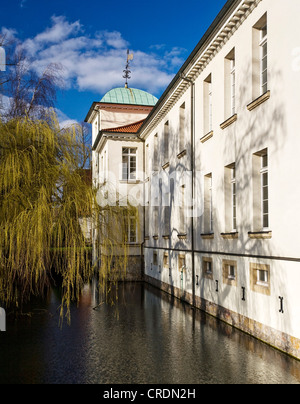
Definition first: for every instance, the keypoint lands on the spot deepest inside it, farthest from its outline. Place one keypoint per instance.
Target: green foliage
(43, 197)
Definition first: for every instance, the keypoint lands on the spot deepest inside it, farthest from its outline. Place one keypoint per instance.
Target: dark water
(147, 337)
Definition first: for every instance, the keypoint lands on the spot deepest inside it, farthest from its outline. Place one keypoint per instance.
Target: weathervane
(127, 71)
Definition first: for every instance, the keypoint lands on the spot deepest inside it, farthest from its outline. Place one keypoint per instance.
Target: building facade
(118, 160)
(221, 174)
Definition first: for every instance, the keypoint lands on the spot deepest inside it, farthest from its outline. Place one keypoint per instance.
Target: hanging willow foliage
(43, 199)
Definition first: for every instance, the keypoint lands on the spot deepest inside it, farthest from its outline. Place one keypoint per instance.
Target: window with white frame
(207, 267)
(264, 59)
(230, 198)
(131, 230)
(260, 58)
(182, 210)
(182, 127)
(230, 272)
(166, 142)
(261, 219)
(181, 263)
(155, 157)
(207, 105)
(265, 190)
(129, 163)
(230, 85)
(208, 204)
(260, 278)
(233, 197)
(232, 77)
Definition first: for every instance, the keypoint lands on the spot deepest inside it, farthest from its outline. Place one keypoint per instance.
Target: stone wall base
(268, 335)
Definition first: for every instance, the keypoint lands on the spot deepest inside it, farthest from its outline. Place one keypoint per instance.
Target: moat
(147, 337)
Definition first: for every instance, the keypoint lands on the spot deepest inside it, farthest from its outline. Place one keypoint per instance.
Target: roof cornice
(232, 15)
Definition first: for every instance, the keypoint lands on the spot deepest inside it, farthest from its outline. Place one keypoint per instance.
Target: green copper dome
(123, 95)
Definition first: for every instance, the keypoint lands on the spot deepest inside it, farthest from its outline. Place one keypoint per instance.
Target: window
(105, 167)
(181, 263)
(208, 204)
(96, 128)
(207, 267)
(182, 128)
(155, 154)
(230, 84)
(166, 213)
(208, 107)
(131, 230)
(233, 197)
(260, 58)
(166, 260)
(230, 272)
(230, 198)
(147, 209)
(260, 277)
(182, 221)
(265, 190)
(129, 163)
(155, 258)
(147, 171)
(263, 60)
(166, 143)
(261, 191)
(232, 75)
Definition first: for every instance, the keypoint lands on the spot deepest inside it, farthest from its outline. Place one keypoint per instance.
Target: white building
(221, 162)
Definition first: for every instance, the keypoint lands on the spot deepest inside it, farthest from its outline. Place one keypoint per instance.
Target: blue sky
(90, 39)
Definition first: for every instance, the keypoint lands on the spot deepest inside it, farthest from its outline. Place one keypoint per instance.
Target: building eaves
(127, 130)
(212, 31)
(131, 128)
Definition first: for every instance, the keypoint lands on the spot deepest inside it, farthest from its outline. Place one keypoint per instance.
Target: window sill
(259, 101)
(155, 237)
(182, 236)
(165, 166)
(228, 121)
(130, 181)
(260, 234)
(166, 237)
(181, 154)
(208, 236)
(230, 236)
(207, 136)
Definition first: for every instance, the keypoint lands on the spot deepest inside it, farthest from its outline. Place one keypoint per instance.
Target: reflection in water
(147, 337)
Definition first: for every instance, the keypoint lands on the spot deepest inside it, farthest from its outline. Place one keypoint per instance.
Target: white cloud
(8, 34)
(96, 62)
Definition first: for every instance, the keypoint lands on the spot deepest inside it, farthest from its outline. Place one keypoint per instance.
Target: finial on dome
(127, 71)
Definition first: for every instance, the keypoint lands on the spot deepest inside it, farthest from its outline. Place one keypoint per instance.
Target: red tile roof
(131, 128)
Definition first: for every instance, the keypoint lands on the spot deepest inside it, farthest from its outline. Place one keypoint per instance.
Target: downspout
(193, 180)
(144, 213)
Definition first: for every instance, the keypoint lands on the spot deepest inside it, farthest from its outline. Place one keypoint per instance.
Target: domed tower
(119, 107)
(118, 155)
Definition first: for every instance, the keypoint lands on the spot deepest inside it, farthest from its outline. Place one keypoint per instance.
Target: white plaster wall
(273, 125)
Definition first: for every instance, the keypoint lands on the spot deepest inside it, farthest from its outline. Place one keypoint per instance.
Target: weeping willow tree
(43, 198)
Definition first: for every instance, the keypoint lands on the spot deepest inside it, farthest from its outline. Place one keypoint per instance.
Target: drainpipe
(182, 76)
(144, 213)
